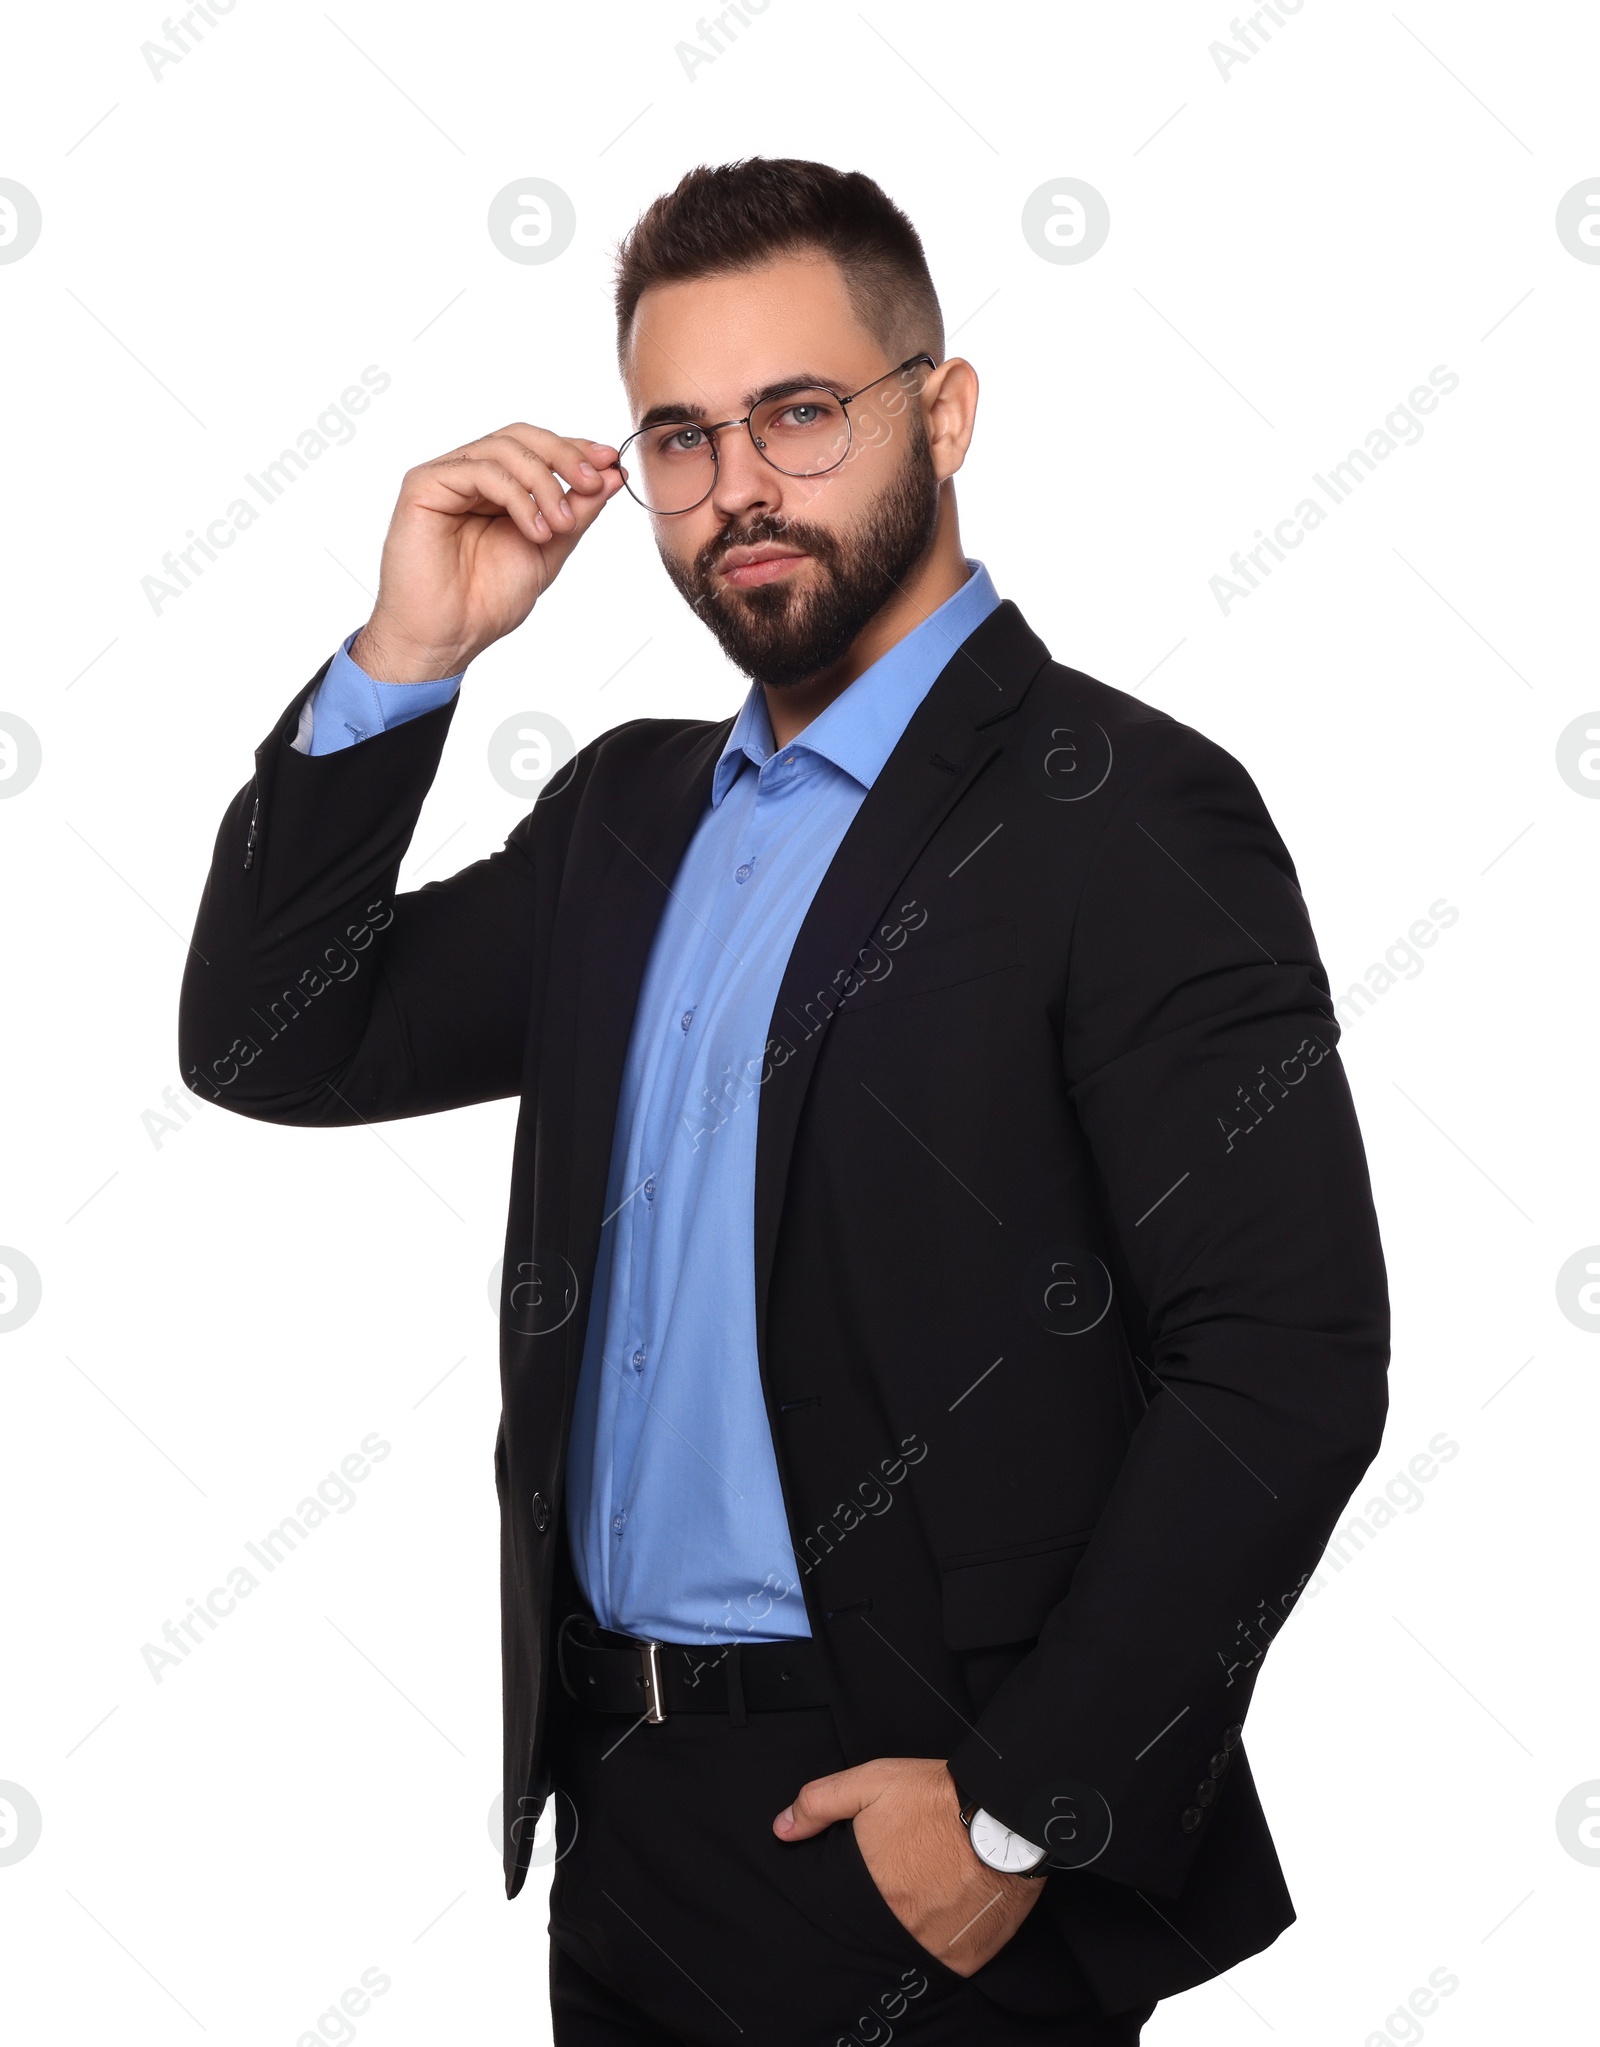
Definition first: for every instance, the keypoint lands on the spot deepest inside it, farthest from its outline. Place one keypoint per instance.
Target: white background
(229, 1308)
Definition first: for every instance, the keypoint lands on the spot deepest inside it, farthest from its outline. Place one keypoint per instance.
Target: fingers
(539, 476)
(542, 458)
(553, 514)
(463, 484)
(825, 1799)
(573, 457)
(519, 484)
(539, 460)
(587, 509)
(581, 515)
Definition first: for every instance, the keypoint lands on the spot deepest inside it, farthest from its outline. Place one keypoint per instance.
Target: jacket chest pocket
(926, 963)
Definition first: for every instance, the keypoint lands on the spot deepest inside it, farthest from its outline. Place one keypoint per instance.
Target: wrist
(418, 664)
(1001, 1850)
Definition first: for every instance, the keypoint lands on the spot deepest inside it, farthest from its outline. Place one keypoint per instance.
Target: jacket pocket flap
(1006, 1599)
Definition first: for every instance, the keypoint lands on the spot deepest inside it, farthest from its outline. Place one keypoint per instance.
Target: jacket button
(1191, 1818)
(541, 1513)
(1231, 1739)
(1206, 1792)
(1219, 1762)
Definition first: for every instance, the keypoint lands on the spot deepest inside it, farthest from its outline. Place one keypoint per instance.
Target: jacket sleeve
(313, 993)
(1199, 1046)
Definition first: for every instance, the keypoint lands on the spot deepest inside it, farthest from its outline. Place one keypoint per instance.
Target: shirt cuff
(350, 706)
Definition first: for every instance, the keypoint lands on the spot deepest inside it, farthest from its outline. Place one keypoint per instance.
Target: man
(944, 1314)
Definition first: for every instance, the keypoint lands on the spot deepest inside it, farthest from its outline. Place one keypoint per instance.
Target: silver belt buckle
(655, 1703)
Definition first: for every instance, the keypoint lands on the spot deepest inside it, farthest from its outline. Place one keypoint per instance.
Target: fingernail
(588, 471)
(785, 1822)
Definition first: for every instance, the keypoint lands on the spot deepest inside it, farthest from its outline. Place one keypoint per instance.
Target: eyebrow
(661, 415)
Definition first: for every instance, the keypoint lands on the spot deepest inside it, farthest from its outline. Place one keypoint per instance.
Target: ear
(950, 412)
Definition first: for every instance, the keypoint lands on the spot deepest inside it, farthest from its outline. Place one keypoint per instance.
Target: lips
(747, 567)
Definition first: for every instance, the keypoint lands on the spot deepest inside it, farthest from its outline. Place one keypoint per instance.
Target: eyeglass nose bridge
(756, 441)
(761, 449)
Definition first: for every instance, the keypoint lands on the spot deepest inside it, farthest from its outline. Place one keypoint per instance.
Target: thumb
(821, 1802)
(586, 508)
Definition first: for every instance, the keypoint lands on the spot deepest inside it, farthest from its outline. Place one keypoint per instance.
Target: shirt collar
(860, 728)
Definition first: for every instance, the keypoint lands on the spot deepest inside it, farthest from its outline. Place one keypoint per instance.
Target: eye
(803, 413)
(682, 440)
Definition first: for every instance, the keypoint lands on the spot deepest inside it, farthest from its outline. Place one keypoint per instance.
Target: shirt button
(686, 1019)
(638, 1359)
(616, 1523)
(650, 1188)
(742, 872)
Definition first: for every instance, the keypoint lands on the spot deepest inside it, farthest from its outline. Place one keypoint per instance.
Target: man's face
(785, 570)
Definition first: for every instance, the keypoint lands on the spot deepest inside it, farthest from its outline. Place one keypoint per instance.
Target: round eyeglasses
(800, 431)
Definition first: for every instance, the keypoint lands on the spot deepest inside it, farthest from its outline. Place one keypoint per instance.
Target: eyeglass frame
(712, 429)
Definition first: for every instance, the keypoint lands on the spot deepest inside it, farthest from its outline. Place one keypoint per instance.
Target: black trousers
(679, 1919)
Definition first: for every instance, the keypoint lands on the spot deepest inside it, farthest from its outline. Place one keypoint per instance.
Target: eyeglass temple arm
(898, 370)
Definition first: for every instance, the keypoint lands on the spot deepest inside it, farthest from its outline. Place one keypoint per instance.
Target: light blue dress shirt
(675, 1511)
(348, 705)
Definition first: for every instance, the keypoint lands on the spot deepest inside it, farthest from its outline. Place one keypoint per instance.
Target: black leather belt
(612, 1672)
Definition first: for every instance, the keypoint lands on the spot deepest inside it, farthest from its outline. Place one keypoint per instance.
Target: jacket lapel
(937, 758)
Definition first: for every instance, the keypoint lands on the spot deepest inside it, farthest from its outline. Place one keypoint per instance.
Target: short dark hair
(737, 216)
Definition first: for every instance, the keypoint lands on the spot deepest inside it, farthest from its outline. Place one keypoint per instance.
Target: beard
(782, 635)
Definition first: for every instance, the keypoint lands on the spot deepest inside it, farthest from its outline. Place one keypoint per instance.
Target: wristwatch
(994, 1843)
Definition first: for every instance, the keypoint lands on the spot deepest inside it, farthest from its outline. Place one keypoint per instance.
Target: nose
(747, 486)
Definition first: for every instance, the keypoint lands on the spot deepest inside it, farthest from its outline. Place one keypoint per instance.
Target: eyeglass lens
(803, 434)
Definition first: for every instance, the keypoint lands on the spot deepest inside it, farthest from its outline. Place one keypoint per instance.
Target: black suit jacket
(1071, 1308)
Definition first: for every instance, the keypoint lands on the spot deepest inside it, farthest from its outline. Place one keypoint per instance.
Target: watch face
(995, 1844)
